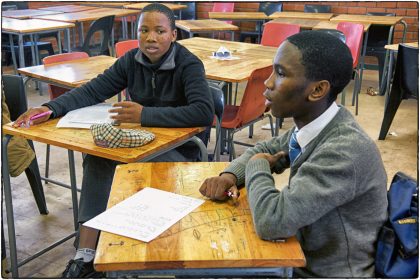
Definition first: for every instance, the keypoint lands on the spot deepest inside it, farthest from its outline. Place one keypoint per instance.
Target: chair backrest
(269, 7)
(14, 91)
(253, 101)
(223, 7)
(104, 26)
(407, 71)
(122, 47)
(336, 33)
(275, 33)
(310, 8)
(354, 38)
(56, 91)
(189, 12)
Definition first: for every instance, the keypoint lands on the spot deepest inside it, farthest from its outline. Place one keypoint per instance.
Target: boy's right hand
(24, 119)
(215, 188)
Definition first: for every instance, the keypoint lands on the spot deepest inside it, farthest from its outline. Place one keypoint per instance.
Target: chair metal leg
(390, 110)
(47, 162)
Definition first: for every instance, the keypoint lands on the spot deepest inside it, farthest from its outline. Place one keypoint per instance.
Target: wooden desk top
(68, 8)
(333, 25)
(89, 15)
(251, 57)
(31, 25)
(198, 25)
(111, 4)
(394, 47)
(70, 73)
(140, 6)
(378, 20)
(81, 140)
(319, 16)
(238, 15)
(213, 235)
(303, 23)
(27, 13)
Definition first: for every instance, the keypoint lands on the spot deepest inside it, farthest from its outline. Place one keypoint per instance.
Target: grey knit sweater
(335, 201)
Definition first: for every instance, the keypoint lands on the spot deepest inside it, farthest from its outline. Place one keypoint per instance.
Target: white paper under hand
(85, 117)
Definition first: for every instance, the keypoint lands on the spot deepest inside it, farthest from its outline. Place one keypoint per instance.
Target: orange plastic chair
(56, 91)
(122, 47)
(223, 7)
(53, 90)
(251, 110)
(354, 39)
(275, 33)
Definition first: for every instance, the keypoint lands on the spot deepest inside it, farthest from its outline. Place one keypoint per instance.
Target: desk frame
(14, 264)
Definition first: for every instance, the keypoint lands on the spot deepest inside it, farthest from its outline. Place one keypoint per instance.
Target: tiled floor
(35, 231)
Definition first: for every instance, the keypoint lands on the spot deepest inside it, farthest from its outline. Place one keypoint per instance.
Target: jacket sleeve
(276, 144)
(99, 89)
(199, 110)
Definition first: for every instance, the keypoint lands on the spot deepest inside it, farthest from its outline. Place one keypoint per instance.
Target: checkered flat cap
(108, 136)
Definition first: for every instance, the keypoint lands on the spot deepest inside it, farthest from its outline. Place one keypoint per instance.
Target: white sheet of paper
(145, 215)
(85, 117)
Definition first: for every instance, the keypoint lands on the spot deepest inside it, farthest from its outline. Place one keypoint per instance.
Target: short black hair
(325, 57)
(160, 8)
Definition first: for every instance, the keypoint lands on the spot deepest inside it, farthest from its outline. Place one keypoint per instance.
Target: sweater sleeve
(273, 146)
(320, 185)
(99, 89)
(199, 109)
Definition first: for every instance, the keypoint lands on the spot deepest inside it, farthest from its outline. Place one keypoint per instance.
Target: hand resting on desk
(216, 188)
(127, 112)
(25, 118)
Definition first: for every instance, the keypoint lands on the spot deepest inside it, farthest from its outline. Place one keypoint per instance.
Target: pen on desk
(38, 116)
(233, 193)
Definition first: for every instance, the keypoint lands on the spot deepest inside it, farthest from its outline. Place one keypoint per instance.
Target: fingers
(214, 188)
(25, 120)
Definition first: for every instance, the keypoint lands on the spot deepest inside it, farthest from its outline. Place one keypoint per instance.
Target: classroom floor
(34, 231)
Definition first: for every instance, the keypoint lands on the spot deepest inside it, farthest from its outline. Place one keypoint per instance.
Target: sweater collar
(166, 63)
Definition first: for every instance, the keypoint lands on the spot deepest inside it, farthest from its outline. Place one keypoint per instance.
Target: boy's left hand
(272, 159)
(127, 112)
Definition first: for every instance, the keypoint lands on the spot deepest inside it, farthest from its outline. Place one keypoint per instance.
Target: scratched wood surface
(81, 140)
(319, 16)
(378, 20)
(394, 47)
(201, 25)
(67, 8)
(140, 6)
(213, 235)
(27, 13)
(114, 4)
(238, 15)
(89, 15)
(32, 25)
(302, 22)
(251, 57)
(333, 25)
(70, 73)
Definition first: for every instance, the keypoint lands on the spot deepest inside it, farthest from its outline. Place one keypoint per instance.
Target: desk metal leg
(21, 51)
(356, 91)
(60, 49)
(383, 80)
(9, 207)
(72, 170)
(67, 39)
(12, 50)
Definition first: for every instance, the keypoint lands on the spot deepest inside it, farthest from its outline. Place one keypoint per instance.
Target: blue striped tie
(294, 148)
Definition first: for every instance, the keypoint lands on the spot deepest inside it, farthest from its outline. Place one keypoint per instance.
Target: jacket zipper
(153, 82)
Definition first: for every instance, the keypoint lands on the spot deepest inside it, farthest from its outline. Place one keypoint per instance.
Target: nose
(151, 36)
(269, 83)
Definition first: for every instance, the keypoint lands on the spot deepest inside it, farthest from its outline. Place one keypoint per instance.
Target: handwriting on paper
(145, 215)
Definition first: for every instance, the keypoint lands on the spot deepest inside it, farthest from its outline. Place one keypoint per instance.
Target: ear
(321, 89)
(174, 34)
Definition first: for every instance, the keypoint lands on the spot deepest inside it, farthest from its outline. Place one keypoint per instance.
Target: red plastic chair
(56, 91)
(251, 110)
(354, 39)
(275, 33)
(122, 47)
(223, 7)
(53, 90)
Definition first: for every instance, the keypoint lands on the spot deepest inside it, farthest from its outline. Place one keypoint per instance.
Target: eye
(143, 31)
(279, 72)
(160, 32)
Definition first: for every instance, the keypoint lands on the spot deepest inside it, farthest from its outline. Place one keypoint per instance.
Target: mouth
(152, 49)
(268, 100)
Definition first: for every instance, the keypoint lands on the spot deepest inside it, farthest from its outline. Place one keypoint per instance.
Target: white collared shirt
(307, 133)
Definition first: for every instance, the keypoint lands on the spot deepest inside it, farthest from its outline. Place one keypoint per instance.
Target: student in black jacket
(167, 87)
